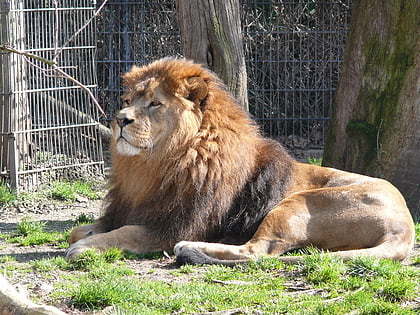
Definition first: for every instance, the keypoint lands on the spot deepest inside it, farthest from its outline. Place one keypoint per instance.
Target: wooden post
(211, 34)
(14, 110)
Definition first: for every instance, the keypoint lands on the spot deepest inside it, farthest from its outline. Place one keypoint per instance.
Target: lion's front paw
(76, 249)
(82, 232)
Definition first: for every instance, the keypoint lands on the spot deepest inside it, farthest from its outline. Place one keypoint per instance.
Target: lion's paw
(76, 249)
(81, 232)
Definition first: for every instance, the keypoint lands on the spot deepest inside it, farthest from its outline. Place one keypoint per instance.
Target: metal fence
(132, 33)
(48, 127)
(293, 55)
(48, 124)
(294, 51)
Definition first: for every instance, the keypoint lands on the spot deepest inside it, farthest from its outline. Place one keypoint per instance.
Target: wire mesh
(294, 51)
(49, 127)
(132, 33)
(293, 54)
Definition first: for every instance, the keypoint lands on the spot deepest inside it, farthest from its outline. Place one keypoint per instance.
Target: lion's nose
(123, 121)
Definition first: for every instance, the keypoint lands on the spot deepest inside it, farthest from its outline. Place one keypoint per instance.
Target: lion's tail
(194, 256)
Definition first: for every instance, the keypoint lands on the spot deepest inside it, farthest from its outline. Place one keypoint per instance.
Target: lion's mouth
(126, 147)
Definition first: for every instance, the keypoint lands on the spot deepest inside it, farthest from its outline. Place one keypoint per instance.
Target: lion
(192, 174)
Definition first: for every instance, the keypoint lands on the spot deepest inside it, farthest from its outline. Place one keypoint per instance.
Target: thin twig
(333, 299)
(7, 48)
(226, 312)
(58, 52)
(54, 67)
(81, 85)
(344, 295)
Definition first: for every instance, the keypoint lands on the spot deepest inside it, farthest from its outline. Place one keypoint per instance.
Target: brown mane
(185, 189)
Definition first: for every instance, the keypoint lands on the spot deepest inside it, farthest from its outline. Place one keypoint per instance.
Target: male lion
(191, 170)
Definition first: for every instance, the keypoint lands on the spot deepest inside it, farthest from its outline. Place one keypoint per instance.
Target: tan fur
(191, 169)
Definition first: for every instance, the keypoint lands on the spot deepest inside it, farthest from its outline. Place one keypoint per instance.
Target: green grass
(29, 233)
(320, 284)
(7, 196)
(367, 285)
(59, 190)
(26, 226)
(315, 161)
(70, 191)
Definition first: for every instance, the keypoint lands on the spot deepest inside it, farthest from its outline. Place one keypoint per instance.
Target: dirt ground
(60, 216)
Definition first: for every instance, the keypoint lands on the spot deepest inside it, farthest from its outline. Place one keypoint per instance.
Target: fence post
(14, 161)
(14, 107)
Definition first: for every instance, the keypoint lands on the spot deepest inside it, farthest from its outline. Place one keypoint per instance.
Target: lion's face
(153, 115)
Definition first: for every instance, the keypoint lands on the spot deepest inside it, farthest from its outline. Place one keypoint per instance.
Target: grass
(7, 196)
(321, 284)
(315, 161)
(71, 191)
(261, 286)
(30, 233)
(58, 190)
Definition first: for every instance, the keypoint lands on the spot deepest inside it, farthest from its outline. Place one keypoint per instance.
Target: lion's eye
(155, 104)
(126, 103)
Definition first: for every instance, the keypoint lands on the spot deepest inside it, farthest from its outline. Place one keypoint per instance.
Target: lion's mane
(211, 184)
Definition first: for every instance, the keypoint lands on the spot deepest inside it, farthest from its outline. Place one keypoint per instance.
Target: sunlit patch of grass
(320, 284)
(368, 268)
(69, 191)
(7, 196)
(7, 258)
(417, 229)
(30, 232)
(369, 286)
(26, 226)
(320, 267)
(84, 219)
(315, 161)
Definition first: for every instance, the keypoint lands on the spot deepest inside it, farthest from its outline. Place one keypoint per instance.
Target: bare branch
(7, 48)
(83, 87)
(54, 67)
(58, 52)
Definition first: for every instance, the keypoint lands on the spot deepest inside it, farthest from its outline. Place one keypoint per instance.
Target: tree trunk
(211, 34)
(375, 128)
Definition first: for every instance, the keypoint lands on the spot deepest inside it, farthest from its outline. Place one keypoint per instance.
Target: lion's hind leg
(347, 221)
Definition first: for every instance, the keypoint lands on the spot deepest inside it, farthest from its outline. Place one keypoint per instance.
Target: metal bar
(52, 128)
(50, 9)
(14, 161)
(50, 89)
(59, 167)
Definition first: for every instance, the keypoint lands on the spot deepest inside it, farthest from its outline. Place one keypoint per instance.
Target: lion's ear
(197, 89)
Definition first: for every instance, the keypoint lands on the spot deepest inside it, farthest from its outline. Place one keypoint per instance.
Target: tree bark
(211, 34)
(375, 128)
